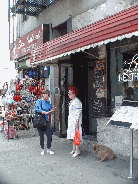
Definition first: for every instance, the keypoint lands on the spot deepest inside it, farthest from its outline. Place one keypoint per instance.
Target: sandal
(72, 152)
(42, 153)
(76, 154)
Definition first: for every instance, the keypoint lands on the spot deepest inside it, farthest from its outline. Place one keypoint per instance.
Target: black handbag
(39, 119)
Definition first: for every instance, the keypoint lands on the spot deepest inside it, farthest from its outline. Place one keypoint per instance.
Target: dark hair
(129, 91)
(46, 91)
(74, 90)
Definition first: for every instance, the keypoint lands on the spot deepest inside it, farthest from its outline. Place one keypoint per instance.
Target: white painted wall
(102, 11)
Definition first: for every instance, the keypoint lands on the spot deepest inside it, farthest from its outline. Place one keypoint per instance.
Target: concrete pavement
(21, 163)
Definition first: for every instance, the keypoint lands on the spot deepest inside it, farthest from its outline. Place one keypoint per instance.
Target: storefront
(95, 63)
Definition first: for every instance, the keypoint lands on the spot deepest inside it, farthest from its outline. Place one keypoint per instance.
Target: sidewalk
(21, 163)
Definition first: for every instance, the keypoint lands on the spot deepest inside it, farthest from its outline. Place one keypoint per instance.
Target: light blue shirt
(46, 106)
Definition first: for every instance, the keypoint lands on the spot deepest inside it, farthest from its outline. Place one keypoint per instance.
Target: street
(22, 163)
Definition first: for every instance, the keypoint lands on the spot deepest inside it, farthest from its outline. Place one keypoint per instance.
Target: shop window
(123, 76)
(45, 72)
(25, 18)
(47, 32)
(62, 29)
(130, 74)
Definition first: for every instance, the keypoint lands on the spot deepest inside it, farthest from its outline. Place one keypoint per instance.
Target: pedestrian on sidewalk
(74, 118)
(43, 106)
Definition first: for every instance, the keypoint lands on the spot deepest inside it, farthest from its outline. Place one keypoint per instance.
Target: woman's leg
(49, 135)
(77, 152)
(41, 134)
(77, 149)
(74, 147)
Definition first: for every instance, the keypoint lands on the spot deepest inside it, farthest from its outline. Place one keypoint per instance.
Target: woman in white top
(74, 118)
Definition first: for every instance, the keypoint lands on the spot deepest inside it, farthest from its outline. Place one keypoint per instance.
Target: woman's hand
(77, 124)
(44, 112)
(53, 109)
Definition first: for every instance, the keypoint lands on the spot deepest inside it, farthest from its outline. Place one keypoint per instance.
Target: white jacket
(75, 112)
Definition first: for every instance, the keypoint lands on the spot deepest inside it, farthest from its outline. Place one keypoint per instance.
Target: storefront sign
(130, 74)
(27, 43)
(99, 74)
(99, 107)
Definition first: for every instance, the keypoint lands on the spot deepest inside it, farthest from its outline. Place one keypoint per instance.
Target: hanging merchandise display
(17, 97)
(22, 94)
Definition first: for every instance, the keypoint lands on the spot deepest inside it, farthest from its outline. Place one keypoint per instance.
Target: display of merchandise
(12, 132)
(19, 98)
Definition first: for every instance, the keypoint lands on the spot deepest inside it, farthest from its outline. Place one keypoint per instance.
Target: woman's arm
(38, 107)
(78, 111)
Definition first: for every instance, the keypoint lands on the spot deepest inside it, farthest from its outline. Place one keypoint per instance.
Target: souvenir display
(19, 98)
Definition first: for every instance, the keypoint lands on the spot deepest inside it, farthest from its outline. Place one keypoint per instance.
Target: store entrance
(80, 80)
(83, 79)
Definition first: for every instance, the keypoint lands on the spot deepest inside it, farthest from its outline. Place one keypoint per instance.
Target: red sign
(28, 42)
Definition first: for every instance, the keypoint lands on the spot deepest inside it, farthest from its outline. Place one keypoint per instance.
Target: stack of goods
(11, 115)
(1, 124)
(12, 132)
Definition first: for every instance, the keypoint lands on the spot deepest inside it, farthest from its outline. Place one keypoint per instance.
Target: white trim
(129, 35)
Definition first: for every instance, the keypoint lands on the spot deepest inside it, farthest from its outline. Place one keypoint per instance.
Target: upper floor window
(62, 29)
(25, 18)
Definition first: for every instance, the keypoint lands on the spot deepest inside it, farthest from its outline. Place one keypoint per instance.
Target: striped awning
(116, 27)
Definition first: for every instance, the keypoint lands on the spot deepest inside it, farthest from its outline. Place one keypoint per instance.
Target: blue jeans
(46, 129)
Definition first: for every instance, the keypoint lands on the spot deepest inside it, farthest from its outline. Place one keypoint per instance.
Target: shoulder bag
(39, 119)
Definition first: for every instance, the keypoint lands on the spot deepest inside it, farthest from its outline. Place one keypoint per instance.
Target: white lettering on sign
(32, 38)
(21, 44)
(29, 48)
(128, 77)
(27, 43)
(130, 74)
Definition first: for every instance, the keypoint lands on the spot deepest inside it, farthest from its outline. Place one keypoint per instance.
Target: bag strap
(41, 104)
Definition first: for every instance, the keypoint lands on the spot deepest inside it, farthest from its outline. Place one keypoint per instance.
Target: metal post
(8, 130)
(3, 126)
(130, 177)
(9, 21)
(13, 25)
(131, 154)
(60, 114)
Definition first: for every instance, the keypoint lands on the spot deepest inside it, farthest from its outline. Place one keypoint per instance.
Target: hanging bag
(39, 119)
(77, 138)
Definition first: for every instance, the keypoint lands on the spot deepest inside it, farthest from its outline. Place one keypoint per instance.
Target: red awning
(122, 23)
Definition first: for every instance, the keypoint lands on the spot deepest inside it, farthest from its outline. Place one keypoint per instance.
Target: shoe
(76, 154)
(50, 152)
(42, 153)
(72, 152)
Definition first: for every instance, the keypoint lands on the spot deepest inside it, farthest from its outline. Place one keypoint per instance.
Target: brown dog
(104, 152)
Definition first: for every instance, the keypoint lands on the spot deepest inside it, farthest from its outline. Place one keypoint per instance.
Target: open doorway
(83, 75)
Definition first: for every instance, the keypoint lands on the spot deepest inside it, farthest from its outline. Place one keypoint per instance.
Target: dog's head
(95, 149)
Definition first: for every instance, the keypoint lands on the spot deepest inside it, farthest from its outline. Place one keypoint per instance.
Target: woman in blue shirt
(43, 106)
